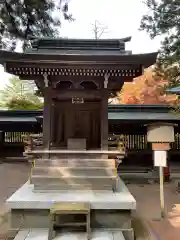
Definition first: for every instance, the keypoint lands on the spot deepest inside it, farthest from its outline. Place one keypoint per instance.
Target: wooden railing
(31, 141)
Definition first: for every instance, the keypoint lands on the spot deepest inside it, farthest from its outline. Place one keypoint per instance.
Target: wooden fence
(139, 141)
(15, 137)
(12, 144)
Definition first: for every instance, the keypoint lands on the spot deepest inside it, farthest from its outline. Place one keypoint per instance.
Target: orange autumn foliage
(145, 89)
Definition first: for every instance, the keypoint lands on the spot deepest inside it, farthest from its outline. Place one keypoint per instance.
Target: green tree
(27, 19)
(20, 95)
(163, 19)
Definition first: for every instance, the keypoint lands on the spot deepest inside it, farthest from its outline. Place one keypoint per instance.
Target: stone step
(57, 187)
(84, 180)
(75, 162)
(70, 171)
(69, 155)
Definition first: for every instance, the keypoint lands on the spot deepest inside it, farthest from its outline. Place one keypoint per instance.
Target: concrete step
(70, 171)
(75, 162)
(84, 180)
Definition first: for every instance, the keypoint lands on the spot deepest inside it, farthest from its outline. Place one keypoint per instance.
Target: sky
(120, 17)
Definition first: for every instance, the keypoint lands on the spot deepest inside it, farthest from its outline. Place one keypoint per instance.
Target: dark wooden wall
(76, 121)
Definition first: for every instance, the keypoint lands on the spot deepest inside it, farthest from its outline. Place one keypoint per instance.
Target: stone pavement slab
(42, 234)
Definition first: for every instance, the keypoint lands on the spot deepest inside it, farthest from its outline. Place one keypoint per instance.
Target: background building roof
(174, 90)
(141, 112)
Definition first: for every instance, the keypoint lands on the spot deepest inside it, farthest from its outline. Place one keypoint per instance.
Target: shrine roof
(79, 50)
(146, 60)
(80, 46)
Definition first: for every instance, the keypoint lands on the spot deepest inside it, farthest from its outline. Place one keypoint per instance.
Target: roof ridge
(78, 44)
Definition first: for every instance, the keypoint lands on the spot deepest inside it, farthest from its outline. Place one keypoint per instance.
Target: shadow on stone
(4, 226)
(140, 229)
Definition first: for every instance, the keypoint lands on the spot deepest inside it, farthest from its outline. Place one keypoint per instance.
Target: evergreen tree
(163, 19)
(27, 19)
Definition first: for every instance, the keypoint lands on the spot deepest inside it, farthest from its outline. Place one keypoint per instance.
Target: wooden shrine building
(76, 77)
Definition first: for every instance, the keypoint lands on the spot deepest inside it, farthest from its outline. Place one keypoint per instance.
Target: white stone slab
(42, 234)
(26, 198)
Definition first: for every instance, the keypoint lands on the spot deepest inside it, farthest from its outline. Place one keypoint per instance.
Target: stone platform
(27, 198)
(109, 210)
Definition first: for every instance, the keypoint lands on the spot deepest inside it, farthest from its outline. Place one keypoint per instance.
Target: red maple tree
(146, 89)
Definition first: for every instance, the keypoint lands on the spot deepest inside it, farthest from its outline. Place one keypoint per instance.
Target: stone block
(111, 180)
(72, 162)
(70, 171)
(111, 219)
(58, 187)
(77, 144)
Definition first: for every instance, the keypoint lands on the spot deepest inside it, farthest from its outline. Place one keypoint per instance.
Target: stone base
(109, 210)
(26, 198)
(108, 219)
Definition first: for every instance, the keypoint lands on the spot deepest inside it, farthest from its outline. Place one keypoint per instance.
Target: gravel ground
(148, 208)
(12, 176)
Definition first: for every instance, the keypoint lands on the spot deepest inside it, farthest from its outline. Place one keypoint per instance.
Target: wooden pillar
(47, 117)
(53, 126)
(104, 119)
